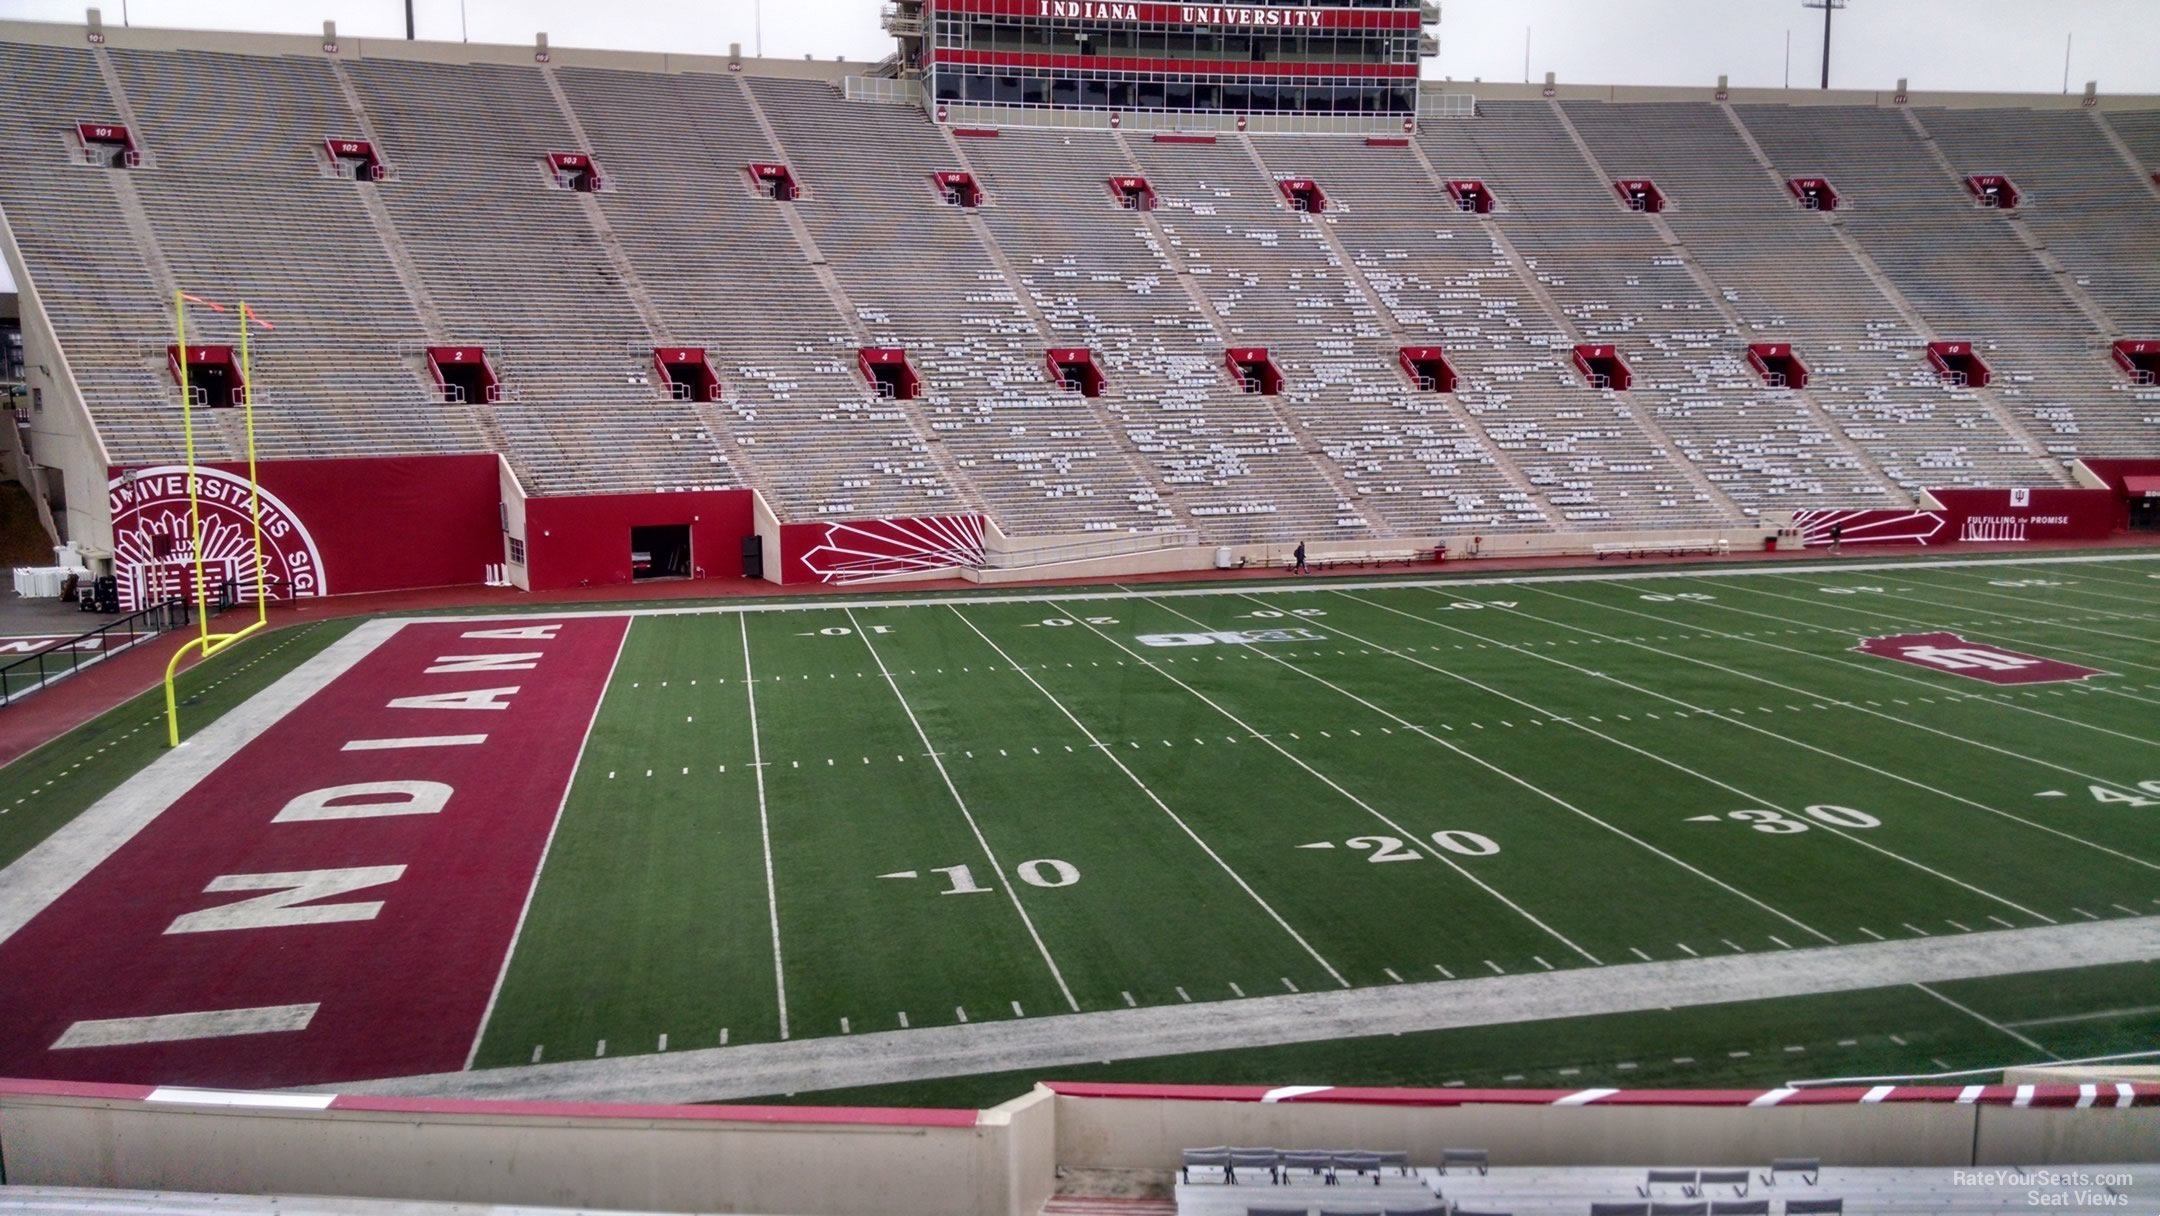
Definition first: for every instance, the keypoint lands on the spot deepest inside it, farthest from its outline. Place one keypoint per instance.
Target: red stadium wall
(2116, 473)
(331, 527)
(2041, 515)
(859, 549)
(584, 541)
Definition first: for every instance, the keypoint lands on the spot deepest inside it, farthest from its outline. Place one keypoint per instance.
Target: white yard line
(1437, 854)
(1995, 631)
(1414, 728)
(1043, 1045)
(1977, 1016)
(34, 880)
(1054, 595)
(930, 749)
(540, 867)
(2100, 1015)
(1698, 709)
(1875, 669)
(1852, 706)
(764, 825)
(1906, 620)
(2065, 590)
(1112, 756)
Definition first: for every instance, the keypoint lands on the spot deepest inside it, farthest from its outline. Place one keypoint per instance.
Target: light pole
(1828, 7)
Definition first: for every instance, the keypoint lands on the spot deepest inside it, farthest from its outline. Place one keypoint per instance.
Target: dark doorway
(660, 551)
(2145, 514)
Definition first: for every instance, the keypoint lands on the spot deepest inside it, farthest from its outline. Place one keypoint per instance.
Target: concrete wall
(1202, 556)
(513, 510)
(652, 1159)
(1127, 1133)
(999, 1162)
(61, 434)
(240, 43)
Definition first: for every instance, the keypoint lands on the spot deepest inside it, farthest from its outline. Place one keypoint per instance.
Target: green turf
(1742, 1044)
(41, 791)
(1509, 777)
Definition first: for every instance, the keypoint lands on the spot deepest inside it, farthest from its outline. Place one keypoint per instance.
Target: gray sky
(1995, 45)
(1985, 45)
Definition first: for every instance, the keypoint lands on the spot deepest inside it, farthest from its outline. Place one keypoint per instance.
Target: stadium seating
(469, 240)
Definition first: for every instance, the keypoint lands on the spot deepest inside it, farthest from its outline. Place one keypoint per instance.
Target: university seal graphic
(154, 560)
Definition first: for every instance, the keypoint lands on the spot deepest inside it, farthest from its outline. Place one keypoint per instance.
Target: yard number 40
(2106, 796)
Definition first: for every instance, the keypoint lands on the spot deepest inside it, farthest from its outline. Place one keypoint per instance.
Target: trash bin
(1222, 558)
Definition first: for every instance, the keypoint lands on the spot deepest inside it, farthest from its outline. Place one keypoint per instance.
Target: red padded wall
(584, 541)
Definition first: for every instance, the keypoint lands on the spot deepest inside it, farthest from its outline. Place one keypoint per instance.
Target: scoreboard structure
(1351, 64)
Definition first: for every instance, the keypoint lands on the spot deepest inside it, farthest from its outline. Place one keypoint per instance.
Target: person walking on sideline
(1837, 538)
(1297, 565)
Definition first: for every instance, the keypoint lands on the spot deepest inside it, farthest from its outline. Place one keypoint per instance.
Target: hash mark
(1390, 972)
(1496, 969)
(1235, 990)
(1287, 984)
(1871, 933)
(1129, 1002)
(903, 1019)
(1639, 954)
(961, 1013)
(536, 1052)
(1690, 953)
(1444, 972)
(1181, 995)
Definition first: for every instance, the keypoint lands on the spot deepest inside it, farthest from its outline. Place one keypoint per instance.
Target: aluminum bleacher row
(469, 240)
(1228, 1181)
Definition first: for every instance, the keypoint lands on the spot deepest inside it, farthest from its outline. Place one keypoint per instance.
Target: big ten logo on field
(1230, 637)
(1993, 664)
(154, 553)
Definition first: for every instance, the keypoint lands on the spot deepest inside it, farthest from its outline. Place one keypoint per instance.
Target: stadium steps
(1142, 469)
(1557, 316)
(1174, 248)
(1947, 268)
(1815, 412)
(2122, 149)
(1646, 418)
(933, 444)
(626, 274)
(2095, 315)
(1504, 462)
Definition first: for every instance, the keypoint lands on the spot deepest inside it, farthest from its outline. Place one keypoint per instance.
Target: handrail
(140, 626)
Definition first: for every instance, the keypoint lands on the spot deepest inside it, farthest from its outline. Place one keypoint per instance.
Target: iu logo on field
(1976, 660)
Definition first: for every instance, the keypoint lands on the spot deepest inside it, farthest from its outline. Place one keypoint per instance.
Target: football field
(831, 820)
(747, 824)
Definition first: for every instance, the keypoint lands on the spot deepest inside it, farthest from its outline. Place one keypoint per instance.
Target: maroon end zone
(1984, 661)
(335, 901)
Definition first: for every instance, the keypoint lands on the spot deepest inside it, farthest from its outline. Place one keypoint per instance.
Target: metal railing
(21, 677)
(883, 90)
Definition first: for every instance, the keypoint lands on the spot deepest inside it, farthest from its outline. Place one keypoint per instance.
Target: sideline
(847, 1061)
(1046, 595)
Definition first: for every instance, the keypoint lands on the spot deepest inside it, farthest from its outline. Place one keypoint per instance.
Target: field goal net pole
(208, 644)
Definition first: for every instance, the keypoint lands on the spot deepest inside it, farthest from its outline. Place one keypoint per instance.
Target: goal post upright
(208, 644)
